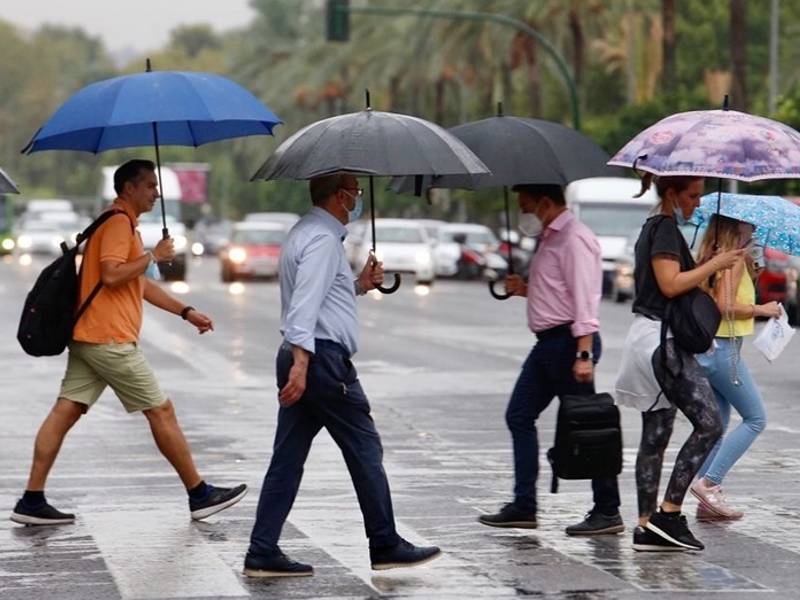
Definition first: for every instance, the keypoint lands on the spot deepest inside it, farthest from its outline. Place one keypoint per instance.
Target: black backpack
(49, 315)
(588, 440)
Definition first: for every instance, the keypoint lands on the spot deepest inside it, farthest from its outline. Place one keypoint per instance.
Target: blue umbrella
(777, 221)
(157, 107)
(7, 185)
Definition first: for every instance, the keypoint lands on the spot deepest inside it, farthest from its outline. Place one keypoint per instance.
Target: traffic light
(337, 14)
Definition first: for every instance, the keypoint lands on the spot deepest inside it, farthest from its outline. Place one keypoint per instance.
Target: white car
(150, 225)
(40, 237)
(447, 251)
(403, 247)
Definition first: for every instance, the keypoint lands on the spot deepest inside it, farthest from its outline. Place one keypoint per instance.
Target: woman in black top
(664, 270)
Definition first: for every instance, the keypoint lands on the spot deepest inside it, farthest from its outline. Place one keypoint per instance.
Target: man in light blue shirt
(319, 386)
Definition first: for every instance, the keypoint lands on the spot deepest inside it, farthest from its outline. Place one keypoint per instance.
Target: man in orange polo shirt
(104, 351)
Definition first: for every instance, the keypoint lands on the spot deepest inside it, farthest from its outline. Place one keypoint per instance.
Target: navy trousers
(334, 400)
(547, 373)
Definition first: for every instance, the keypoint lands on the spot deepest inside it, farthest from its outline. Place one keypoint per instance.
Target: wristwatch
(584, 355)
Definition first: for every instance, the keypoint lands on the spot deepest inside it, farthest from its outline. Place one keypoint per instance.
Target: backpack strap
(82, 237)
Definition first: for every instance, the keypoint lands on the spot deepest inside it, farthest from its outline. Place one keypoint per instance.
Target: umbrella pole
(719, 206)
(508, 230)
(164, 230)
(396, 284)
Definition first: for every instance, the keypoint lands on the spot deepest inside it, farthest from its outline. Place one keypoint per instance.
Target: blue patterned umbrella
(777, 220)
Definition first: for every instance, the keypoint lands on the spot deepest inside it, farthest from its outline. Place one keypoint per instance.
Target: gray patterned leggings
(692, 394)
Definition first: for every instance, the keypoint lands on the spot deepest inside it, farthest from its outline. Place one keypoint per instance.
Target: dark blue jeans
(547, 373)
(335, 400)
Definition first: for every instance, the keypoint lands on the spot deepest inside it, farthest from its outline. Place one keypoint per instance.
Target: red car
(254, 251)
(771, 283)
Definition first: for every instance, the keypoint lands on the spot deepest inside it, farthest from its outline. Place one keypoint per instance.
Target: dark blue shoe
(275, 565)
(404, 554)
(43, 514)
(216, 499)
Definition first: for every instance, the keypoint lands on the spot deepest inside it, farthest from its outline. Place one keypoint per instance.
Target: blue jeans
(335, 400)
(547, 373)
(747, 401)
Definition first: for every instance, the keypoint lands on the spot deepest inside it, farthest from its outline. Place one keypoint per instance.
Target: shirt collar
(120, 204)
(561, 221)
(330, 222)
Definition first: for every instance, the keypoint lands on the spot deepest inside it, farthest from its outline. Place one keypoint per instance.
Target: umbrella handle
(496, 295)
(391, 289)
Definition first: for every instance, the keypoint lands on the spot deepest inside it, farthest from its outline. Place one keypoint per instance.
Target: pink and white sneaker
(712, 502)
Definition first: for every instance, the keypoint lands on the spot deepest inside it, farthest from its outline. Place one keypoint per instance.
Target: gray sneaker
(596, 523)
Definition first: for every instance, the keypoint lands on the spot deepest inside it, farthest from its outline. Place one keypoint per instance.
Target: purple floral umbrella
(715, 143)
(725, 144)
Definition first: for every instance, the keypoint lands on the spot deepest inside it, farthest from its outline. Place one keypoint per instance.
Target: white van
(607, 205)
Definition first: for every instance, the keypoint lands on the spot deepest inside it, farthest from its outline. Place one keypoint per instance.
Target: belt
(553, 332)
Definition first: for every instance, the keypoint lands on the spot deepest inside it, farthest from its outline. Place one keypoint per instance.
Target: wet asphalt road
(438, 370)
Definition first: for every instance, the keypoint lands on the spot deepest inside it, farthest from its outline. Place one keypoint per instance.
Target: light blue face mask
(353, 215)
(679, 218)
(152, 272)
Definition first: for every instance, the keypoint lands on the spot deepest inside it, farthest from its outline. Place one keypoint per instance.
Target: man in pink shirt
(563, 292)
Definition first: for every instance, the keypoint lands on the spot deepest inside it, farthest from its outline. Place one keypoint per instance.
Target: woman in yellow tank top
(729, 376)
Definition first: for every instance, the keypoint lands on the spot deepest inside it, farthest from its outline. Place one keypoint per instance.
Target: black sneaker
(404, 554)
(645, 540)
(510, 516)
(596, 523)
(216, 499)
(673, 528)
(43, 514)
(275, 565)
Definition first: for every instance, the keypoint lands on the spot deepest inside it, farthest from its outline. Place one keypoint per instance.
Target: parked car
(607, 206)
(403, 247)
(40, 237)
(150, 226)
(286, 218)
(254, 251)
(771, 285)
(352, 241)
(622, 285)
(449, 254)
(210, 237)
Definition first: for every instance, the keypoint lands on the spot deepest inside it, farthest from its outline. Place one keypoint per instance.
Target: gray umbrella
(7, 185)
(371, 143)
(519, 151)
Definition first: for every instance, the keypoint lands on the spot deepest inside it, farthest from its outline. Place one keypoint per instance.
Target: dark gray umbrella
(372, 143)
(7, 185)
(519, 151)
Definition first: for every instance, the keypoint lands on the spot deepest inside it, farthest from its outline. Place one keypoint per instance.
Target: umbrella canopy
(7, 185)
(777, 221)
(371, 143)
(519, 150)
(715, 143)
(188, 109)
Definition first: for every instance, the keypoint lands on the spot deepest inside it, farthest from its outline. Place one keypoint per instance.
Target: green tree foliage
(448, 71)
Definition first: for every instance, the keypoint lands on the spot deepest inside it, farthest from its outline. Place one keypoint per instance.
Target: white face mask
(529, 224)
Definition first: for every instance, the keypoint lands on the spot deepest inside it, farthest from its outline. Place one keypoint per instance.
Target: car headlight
(180, 242)
(198, 249)
(237, 255)
(24, 242)
(423, 257)
(8, 244)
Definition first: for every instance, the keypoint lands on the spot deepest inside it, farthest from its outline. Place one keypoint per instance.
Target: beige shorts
(123, 367)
